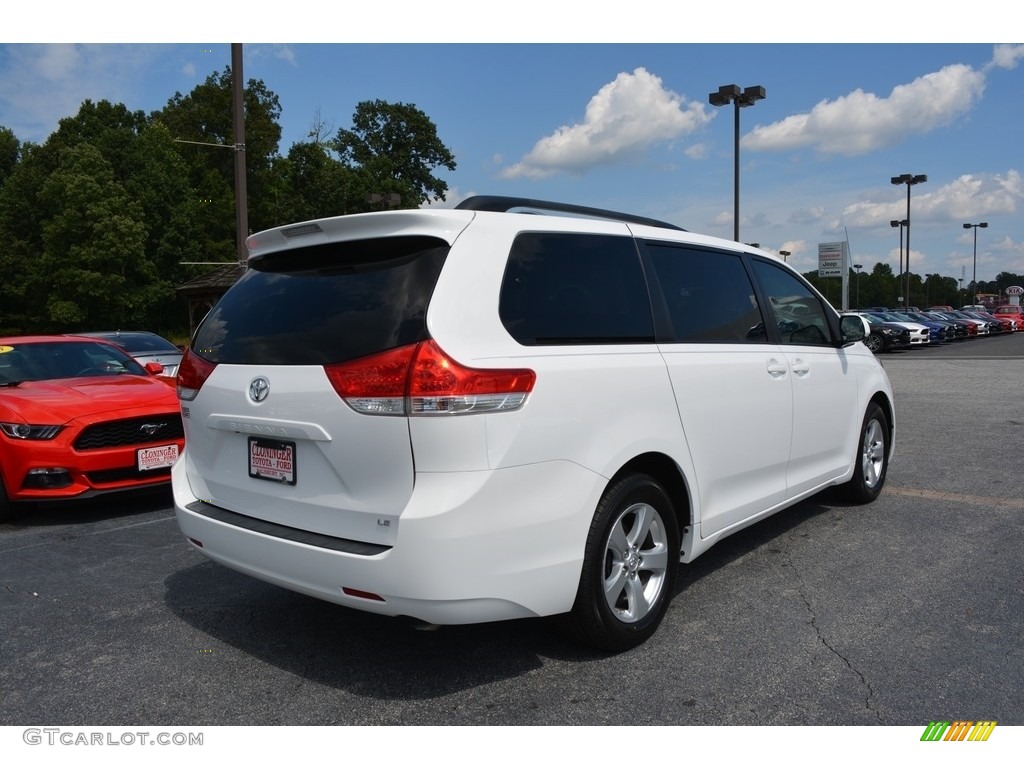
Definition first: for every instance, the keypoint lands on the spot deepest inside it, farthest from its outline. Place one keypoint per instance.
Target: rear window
(325, 304)
(575, 289)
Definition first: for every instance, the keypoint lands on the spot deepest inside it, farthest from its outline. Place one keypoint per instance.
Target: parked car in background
(145, 347)
(968, 328)
(985, 327)
(920, 334)
(883, 336)
(482, 413)
(80, 417)
(936, 331)
(999, 324)
(1011, 312)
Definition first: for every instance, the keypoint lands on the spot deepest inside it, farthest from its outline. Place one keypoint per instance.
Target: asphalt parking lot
(898, 613)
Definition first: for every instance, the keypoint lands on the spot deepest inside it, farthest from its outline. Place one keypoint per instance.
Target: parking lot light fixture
(901, 223)
(785, 255)
(740, 98)
(983, 225)
(910, 180)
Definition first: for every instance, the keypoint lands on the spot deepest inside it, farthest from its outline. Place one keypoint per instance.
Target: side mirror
(154, 368)
(853, 328)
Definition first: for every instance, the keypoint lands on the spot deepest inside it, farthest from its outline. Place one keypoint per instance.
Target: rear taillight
(421, 380)
(193, 371)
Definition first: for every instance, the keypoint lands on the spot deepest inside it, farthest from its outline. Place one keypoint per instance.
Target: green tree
(394, 148)
(104, 178)
(10, 151)
(311, 183)
(94, 248)
(205, 115)
(21, 233)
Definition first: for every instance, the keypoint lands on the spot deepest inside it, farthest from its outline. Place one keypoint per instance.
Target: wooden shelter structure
(204, 291)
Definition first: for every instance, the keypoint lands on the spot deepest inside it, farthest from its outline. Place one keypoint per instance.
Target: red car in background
(1013, 312)
(81, 417)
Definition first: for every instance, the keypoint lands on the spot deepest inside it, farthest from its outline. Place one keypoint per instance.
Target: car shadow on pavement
(105, 507)
(755, 537)
(388, 658)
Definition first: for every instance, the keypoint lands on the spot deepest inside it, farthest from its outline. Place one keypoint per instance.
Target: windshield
(46, 360)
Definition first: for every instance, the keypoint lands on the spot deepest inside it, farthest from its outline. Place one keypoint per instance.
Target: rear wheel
(629, 566)
(872, 458)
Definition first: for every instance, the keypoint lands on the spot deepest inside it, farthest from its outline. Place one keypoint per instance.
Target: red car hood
(58, 401)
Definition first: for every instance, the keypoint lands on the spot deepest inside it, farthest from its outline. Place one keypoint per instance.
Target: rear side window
(564, 288)
(708, 295)
(325, 304)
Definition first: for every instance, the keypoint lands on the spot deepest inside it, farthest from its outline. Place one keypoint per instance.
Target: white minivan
(481, 413)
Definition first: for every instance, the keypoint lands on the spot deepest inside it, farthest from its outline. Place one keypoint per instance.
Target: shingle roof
(219, 279)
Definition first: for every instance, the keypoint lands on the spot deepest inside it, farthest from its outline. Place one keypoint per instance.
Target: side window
(708, 295)
(797, 312)
(564, 288)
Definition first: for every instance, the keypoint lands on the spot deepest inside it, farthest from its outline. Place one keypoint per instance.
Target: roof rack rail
(502, 204)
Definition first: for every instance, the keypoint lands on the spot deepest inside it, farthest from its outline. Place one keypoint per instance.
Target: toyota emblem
(259, 388)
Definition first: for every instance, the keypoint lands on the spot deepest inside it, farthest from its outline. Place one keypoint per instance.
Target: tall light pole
(858, 268)
(910, 180)
(744, 98)
(238, 122)
(983, 225)
(901, 223)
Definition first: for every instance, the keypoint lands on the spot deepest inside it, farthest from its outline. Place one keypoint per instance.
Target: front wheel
(629, 566)
(872, 458)
(875, 342)
(5, 504)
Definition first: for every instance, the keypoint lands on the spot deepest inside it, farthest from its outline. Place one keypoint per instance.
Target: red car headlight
(30, 431)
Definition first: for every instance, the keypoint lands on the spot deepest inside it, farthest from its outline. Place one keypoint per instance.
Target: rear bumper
(470, 547)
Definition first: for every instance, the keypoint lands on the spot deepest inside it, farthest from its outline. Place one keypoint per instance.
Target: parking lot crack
(869, 692)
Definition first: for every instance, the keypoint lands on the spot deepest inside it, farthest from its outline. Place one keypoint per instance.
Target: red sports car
(80, 417)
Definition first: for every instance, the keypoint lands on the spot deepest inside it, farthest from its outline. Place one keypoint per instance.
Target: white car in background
(919, 333)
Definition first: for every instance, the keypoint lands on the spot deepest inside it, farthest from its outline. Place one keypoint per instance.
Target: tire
(872, 461)
(629, 566)
(5, 504)
(875, 343)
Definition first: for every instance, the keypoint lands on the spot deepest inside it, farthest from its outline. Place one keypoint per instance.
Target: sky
(613, 114)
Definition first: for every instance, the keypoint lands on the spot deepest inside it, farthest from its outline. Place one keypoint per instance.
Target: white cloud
(1007, 56)
(861, 122)
(811, 215)
(968, 197)
(41, 84)
(625, 118)
(274, 51)
(696, 152)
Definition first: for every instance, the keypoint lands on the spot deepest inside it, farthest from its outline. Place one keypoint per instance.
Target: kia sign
(831, 259)
(1014, 290)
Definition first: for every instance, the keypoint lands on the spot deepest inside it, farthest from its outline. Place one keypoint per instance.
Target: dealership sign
(832, 259)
